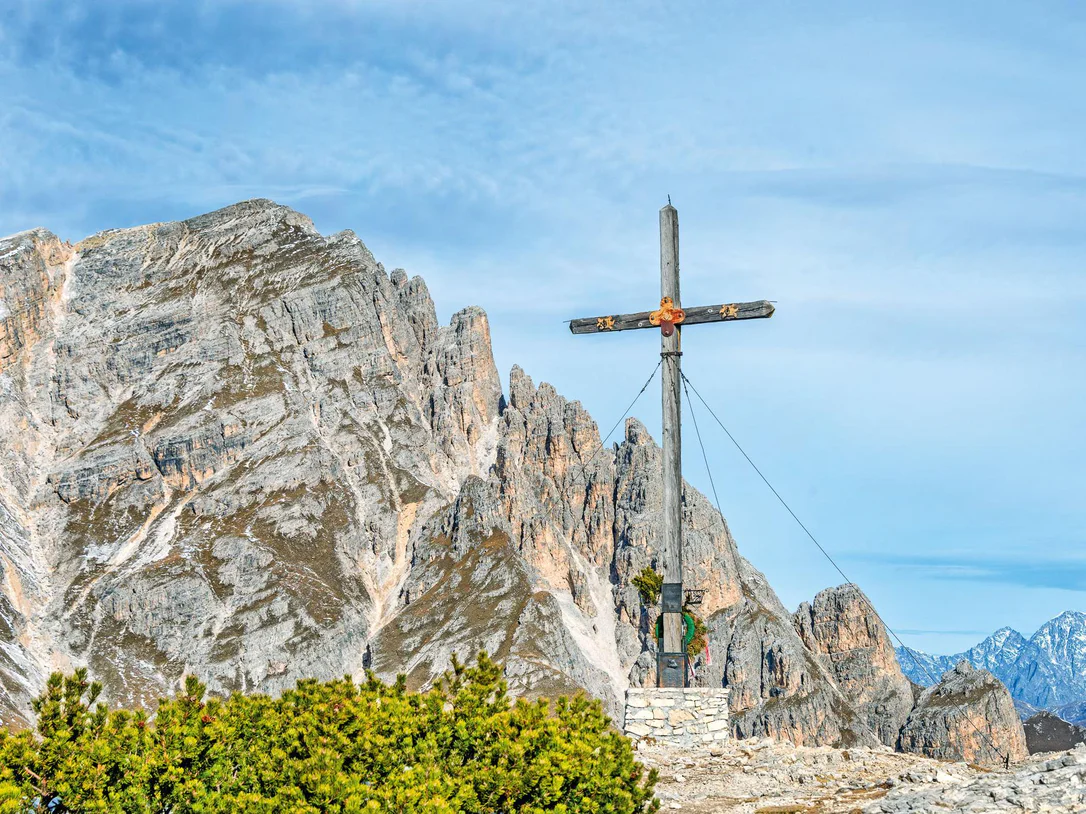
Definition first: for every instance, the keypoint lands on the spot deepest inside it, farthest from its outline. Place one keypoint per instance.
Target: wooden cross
(670, 317)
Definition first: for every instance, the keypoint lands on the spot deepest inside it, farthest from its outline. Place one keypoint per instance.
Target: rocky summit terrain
(237, 448)
(762, 776)
(1045, 671)
(841, 627)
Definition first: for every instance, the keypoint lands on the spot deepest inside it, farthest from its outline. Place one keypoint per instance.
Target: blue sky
(906, 180)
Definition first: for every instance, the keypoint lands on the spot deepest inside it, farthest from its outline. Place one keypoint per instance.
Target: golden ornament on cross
(667, 317)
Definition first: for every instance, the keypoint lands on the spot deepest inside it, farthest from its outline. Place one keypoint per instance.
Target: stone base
(683, 717)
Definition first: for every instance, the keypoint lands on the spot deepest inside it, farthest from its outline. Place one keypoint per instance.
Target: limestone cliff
(969, 715)
(221, 438)
(842, 627)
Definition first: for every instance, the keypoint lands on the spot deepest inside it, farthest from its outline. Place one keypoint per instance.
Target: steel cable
(916, 661)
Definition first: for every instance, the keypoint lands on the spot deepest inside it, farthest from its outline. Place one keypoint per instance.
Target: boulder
(969, 715)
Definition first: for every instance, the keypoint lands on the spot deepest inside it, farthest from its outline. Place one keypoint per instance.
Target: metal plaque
(671, 669)
(672, 597)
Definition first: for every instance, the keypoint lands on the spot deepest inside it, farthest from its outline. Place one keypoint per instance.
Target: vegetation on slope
(324, 747)
(648, 584)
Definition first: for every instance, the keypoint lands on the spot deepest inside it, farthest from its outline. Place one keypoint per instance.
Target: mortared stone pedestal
(693, 716)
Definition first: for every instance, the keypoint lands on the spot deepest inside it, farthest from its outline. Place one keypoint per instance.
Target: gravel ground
(768, 777)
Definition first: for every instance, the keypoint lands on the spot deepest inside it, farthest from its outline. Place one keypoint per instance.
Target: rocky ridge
(842, 628)
(1047, 733)
(237, 448)
(968, 713)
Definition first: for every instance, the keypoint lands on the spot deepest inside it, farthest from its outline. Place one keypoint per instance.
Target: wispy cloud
(923, 632)
(1065, 574)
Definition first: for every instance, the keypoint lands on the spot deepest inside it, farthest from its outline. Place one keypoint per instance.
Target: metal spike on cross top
(670, 317)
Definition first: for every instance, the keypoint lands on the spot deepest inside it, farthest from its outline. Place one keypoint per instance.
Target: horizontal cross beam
(725, 312)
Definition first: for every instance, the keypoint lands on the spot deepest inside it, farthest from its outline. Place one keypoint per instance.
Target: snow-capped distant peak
(1048, 670)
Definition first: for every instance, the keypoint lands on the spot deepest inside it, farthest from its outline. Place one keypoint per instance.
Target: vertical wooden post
(671, 667)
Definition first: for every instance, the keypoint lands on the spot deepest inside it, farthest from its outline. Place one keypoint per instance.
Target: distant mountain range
(1046, 671)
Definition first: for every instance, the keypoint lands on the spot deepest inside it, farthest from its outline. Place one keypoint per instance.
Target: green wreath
(688, 628)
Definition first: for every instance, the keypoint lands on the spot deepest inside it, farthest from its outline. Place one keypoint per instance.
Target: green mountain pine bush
(324, 747)
(649, 584)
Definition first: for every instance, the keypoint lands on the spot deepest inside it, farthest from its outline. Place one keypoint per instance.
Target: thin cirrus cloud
(906, 182)
(925, 632)
(1067, 574)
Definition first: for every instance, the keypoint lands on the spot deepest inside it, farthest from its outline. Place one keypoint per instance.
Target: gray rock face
(580, 522)
(221, 438)
(779, 688)
(843, 628)
(236, 448)
(968, 715)
(1047, 733)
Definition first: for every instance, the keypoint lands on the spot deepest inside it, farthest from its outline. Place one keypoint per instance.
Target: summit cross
(671, 663)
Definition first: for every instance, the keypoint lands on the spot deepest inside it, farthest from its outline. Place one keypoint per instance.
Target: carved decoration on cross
(667, 317)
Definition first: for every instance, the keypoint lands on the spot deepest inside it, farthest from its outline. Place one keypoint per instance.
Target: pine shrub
(649, 584)
(332, 746)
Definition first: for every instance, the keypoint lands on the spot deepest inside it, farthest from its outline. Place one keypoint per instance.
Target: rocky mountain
(237, 448)
(994, 654)
(1046, 732)
(841, 627)
(1047, 671)
(968, 713)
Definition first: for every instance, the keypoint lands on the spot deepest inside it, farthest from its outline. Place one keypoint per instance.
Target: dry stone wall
(683, 717)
